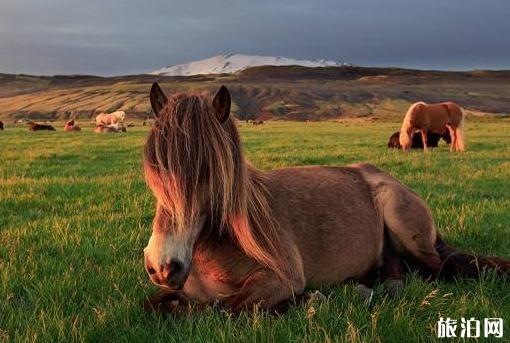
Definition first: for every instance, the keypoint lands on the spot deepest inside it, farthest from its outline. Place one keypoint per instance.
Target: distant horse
(257, 122)
(32, 126)
(225, 232)
(1, 125)
(432, 118)
(110, 118)
(432, 140)
(109, 128)
(70, 126)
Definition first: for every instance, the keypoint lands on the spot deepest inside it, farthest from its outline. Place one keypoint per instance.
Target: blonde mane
(193, 163)
(406, 131)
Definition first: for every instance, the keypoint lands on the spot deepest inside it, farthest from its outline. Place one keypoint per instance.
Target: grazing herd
(423, 127)
(104, 123)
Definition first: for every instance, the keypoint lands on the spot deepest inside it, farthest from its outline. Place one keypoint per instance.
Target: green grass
(75, 215)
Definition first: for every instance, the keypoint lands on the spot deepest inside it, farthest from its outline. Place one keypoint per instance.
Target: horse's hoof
(315, 296)
(366, 293)
(394, 287)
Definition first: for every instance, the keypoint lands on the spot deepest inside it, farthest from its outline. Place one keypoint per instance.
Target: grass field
(75, 215)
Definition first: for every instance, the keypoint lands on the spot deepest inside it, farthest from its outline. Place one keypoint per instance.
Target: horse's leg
(409, 222)
(392, 271)
(171, 302)
(424, 139)
(459, 143)
(264, 289)
(453, 136)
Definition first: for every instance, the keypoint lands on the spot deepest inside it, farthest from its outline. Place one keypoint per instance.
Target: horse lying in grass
(432, 140)
(32, 126)
(225, 232)
(433, 118)
(109, 128)
(70, 126)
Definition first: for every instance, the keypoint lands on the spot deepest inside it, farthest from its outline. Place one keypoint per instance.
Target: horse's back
(329, 213)
(434, 117)
(71, 128)
(105, 118)
(455, 112)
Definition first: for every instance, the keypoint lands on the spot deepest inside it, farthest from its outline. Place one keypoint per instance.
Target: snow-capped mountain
(233, 63)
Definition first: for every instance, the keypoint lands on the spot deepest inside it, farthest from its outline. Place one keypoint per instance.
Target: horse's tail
(459, 132)
(406, 131)
(454, 262)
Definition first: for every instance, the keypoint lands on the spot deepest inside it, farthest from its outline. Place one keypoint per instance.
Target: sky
(119, 37)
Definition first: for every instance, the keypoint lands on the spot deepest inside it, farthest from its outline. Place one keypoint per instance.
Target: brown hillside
(294, 93)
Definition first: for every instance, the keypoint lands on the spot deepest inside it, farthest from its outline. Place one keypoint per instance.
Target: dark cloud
(129, 36)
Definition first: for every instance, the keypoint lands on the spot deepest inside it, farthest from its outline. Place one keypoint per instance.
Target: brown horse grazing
(32, 126)
(257, 122)
(432, 140)
(229, 233)
(432, 118)
(70, 126)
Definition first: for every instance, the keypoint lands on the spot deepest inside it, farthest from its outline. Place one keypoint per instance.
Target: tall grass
(75, 216)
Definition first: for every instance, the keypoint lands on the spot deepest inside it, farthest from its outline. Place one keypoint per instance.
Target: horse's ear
(158, 99)
(221, 104)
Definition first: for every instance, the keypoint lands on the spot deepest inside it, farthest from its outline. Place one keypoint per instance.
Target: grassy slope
(75, 215)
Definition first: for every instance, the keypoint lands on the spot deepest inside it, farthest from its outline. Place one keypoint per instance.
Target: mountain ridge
(234, 63)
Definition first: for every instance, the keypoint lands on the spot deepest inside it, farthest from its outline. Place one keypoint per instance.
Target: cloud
(125, 36)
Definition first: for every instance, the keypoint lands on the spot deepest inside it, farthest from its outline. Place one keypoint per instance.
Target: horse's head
(120, 115)
(192, 163)
(446, 135)
(393, 141)
(406, 137)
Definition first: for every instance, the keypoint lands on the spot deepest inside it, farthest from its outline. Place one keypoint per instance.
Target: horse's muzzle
(172, 275)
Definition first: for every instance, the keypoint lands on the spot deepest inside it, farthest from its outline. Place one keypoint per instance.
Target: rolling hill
(265, 92)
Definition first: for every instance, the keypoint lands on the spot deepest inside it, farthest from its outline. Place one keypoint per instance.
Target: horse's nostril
(151, 270)
(175, 268)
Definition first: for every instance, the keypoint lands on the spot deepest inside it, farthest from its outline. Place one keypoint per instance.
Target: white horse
(110, 118)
